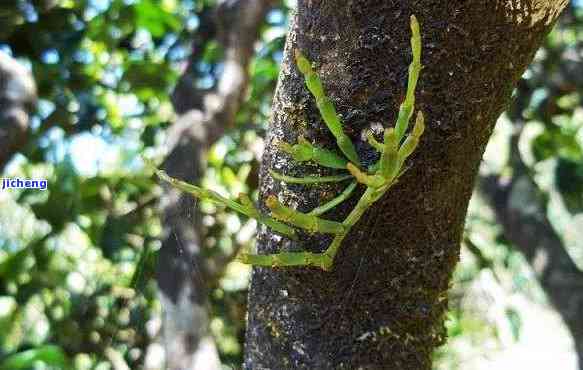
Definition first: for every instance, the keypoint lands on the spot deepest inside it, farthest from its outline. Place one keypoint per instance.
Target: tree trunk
(17, 101)
(182, 273)
(521, 211)
(383, 305)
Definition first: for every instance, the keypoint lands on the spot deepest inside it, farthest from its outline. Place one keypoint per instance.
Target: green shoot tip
(303, 63)
(419, 125)
(414, 25)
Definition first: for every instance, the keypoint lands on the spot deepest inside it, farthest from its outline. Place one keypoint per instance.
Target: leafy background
(77, 261)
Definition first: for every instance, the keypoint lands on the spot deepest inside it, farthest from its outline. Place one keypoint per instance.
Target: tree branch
(520, 209)
(204, 115)
(215, 110)
(17, 101)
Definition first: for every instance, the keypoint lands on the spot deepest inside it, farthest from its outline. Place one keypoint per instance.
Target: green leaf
(155, 18)
(551, 143)
(49, 354)
(12, 266)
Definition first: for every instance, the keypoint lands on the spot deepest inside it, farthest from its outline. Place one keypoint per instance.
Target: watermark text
(18, 183)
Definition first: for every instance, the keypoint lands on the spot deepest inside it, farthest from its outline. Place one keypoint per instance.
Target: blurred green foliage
(493, 281)
(76, 261)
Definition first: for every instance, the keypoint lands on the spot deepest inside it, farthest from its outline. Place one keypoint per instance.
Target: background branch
(17, 101)
(520, 208)
(203, 116)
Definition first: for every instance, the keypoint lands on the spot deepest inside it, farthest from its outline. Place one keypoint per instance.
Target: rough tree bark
(382, 306)
(17, 101)
(182, 274)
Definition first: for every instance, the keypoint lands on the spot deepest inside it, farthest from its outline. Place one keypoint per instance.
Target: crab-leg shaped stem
(334, 202)
(389, 162)
(323, 260)
(372, 181)
(246, 209)
(372, 194)
(284, 259)
(310, 223)
(366, 200)
(305, 151)
(380, 177)
(412, 140)
(327, 110)
(406, 108)
(308, 179)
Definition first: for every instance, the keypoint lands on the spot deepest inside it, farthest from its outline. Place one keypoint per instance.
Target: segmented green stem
(309, 179)
(389, 163)
(412, 140)
(373, 181)
(365, 201)
(311, 223)
(286, 259)
(406, 108)
(306, 151)
(326, 108)
(334, 202)
(379, 178)
(247, 210)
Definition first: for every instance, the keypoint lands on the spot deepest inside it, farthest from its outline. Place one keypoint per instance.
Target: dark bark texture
(183, 274)
(383, 305)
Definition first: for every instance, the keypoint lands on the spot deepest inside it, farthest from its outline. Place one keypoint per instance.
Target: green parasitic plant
(378, 178)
